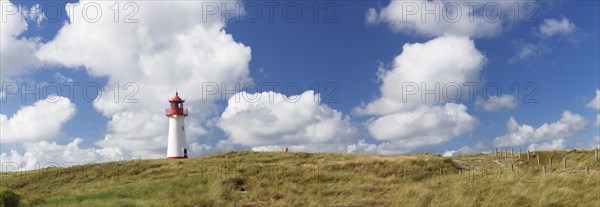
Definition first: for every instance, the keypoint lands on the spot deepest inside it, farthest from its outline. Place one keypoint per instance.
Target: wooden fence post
(538, 158)
(544, 169)
(596, 154)
(512, 153)
(587, 170)
(550, 161)
(527, 155)
(520, 153)
(564, 162)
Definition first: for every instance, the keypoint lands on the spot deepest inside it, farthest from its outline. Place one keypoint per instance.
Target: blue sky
(344, 54)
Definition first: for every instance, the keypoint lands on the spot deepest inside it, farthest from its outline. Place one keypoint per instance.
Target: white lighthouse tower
(177, 143)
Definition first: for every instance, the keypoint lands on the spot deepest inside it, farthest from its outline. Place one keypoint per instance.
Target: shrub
(8, 198)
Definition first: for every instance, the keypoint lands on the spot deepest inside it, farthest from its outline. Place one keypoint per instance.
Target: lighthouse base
(172, 158)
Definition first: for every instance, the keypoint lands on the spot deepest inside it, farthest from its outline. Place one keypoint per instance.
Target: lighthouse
(176, 148)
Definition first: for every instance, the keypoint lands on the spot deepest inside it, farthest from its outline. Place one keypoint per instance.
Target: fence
(544, 169)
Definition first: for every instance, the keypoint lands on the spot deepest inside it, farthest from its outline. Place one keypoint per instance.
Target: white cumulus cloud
(413, 117)
(17, 53)
(558, 144)
(568, 125)
(443, 17)
(497, 103)
(551, 27)
(268, 148)
(43, 154)
(461, 151)
(269, 121)
(41, 121)
(595, 103)
(180, 49)
(445, 61)
(363, 147)
(423, 126)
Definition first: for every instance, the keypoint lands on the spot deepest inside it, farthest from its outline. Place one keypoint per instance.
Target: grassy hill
(246, 178)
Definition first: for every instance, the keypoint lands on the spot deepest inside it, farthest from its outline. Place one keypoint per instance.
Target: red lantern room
(176, 107)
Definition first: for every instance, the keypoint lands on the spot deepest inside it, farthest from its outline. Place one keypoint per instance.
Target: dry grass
(321, 179)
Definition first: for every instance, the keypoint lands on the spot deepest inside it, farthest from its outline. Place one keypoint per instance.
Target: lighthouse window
(182, 128)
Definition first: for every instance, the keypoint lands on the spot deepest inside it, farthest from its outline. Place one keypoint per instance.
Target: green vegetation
(8, 198)
(246, 178)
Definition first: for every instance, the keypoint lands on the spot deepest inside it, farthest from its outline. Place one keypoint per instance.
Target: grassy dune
(248, 178)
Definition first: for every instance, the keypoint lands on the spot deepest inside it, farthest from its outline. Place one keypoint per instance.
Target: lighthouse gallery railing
(176, 111)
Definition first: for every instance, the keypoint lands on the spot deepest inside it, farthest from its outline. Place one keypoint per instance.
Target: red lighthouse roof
(176, 98)
(176, 107)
